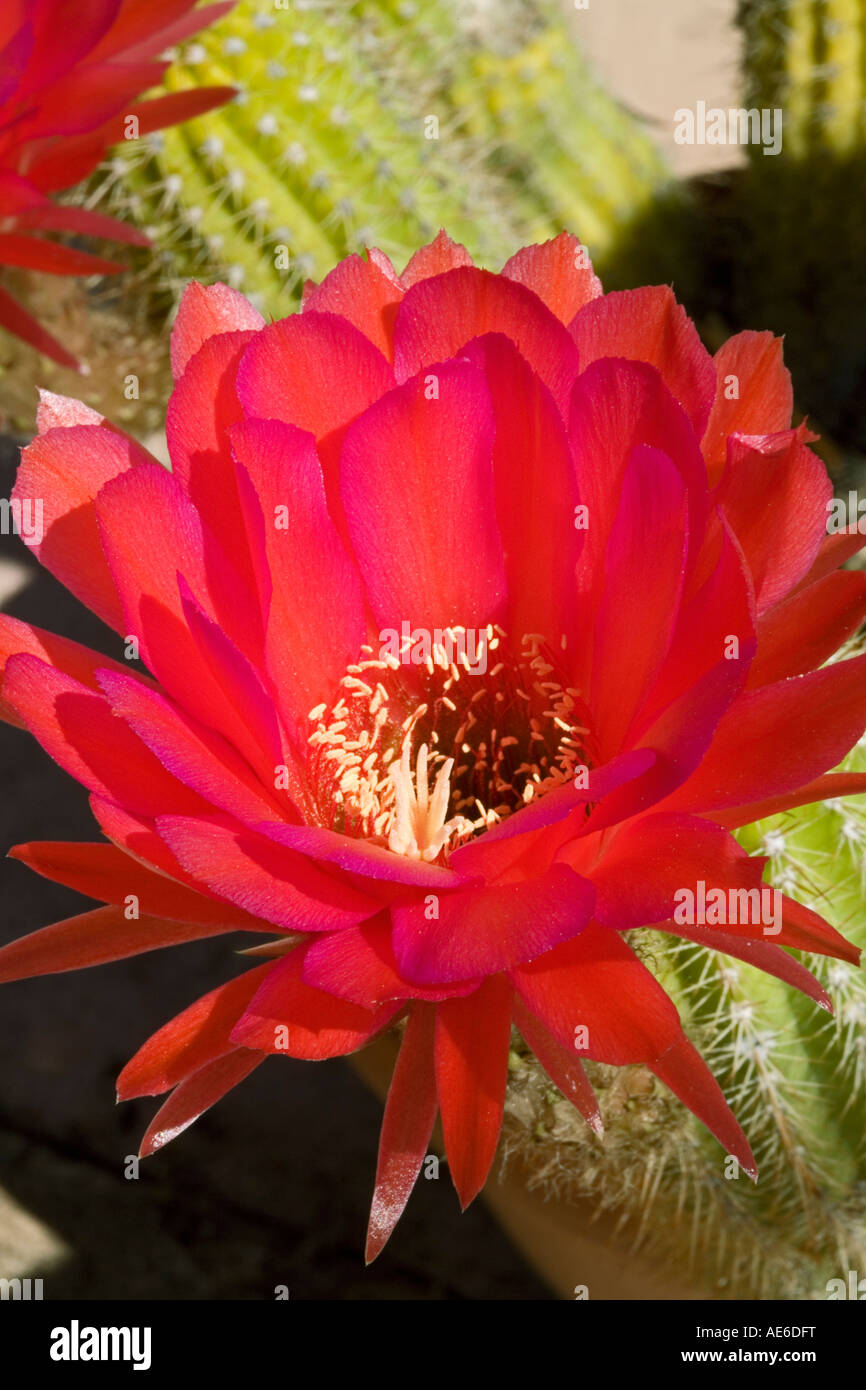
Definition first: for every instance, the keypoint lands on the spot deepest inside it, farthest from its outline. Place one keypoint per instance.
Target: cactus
(326, 148)
(795, 1076)
(800, 212)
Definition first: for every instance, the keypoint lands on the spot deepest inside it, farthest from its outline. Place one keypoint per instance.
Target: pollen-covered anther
(420, 829)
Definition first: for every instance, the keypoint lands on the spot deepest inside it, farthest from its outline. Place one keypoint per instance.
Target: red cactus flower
(478, 610)
(67, 88)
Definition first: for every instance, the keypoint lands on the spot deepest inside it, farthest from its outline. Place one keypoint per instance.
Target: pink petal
(479, 931)
(65, 469)
(647, 325)
(559, 272)
(444, 552)
(264, 879)
(318, 1025)
(749, 364)
(439, 316)
(363, 294)
(776, 476)
(204, 311)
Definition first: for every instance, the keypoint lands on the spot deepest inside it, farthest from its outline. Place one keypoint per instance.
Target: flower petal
(444, 552)
(191, 1040)
(288, 1016)
(473, 1037)
(407, 1124)
(647, 325)
(195, 1095)
(559, 272)
(204, 311)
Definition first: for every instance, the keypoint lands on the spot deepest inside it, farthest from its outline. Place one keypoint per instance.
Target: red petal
(537, 525)
(316, 622)
(444, 552)
(62, 217)
(265, 879)
(439, 256)
(406, 1128)
(775, 476)
(107, 873)
(779, 737)
(641, 594)
(365, 295)
(596, 982)
(802, 632)
(438, 317)
(834, 784)
(559, 272)
(318, 1025)
(478, 931)
(191, 1040)
(66, 468)
(204, 311)
(78, 730)
(94, 938)
(69, 657)
(34, 254)
(358, 964)
(291, 371)
(685, 1073)
(764, 401)
(647, 325)
(24, 326)
(761, 954)
(196, 1095)
(473, 1036)
(563, 1068)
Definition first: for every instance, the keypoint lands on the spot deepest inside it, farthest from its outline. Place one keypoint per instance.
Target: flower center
(492, 733)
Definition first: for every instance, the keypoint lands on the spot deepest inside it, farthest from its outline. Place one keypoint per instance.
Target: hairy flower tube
(476, 612)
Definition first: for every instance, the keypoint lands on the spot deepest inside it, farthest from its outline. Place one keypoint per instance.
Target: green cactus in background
(794, 1075)
(377, 122)
(800, 214)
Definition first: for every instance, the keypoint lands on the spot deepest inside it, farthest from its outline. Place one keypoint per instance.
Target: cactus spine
(330, 145)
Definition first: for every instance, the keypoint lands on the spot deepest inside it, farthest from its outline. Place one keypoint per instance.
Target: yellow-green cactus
(377, 122)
